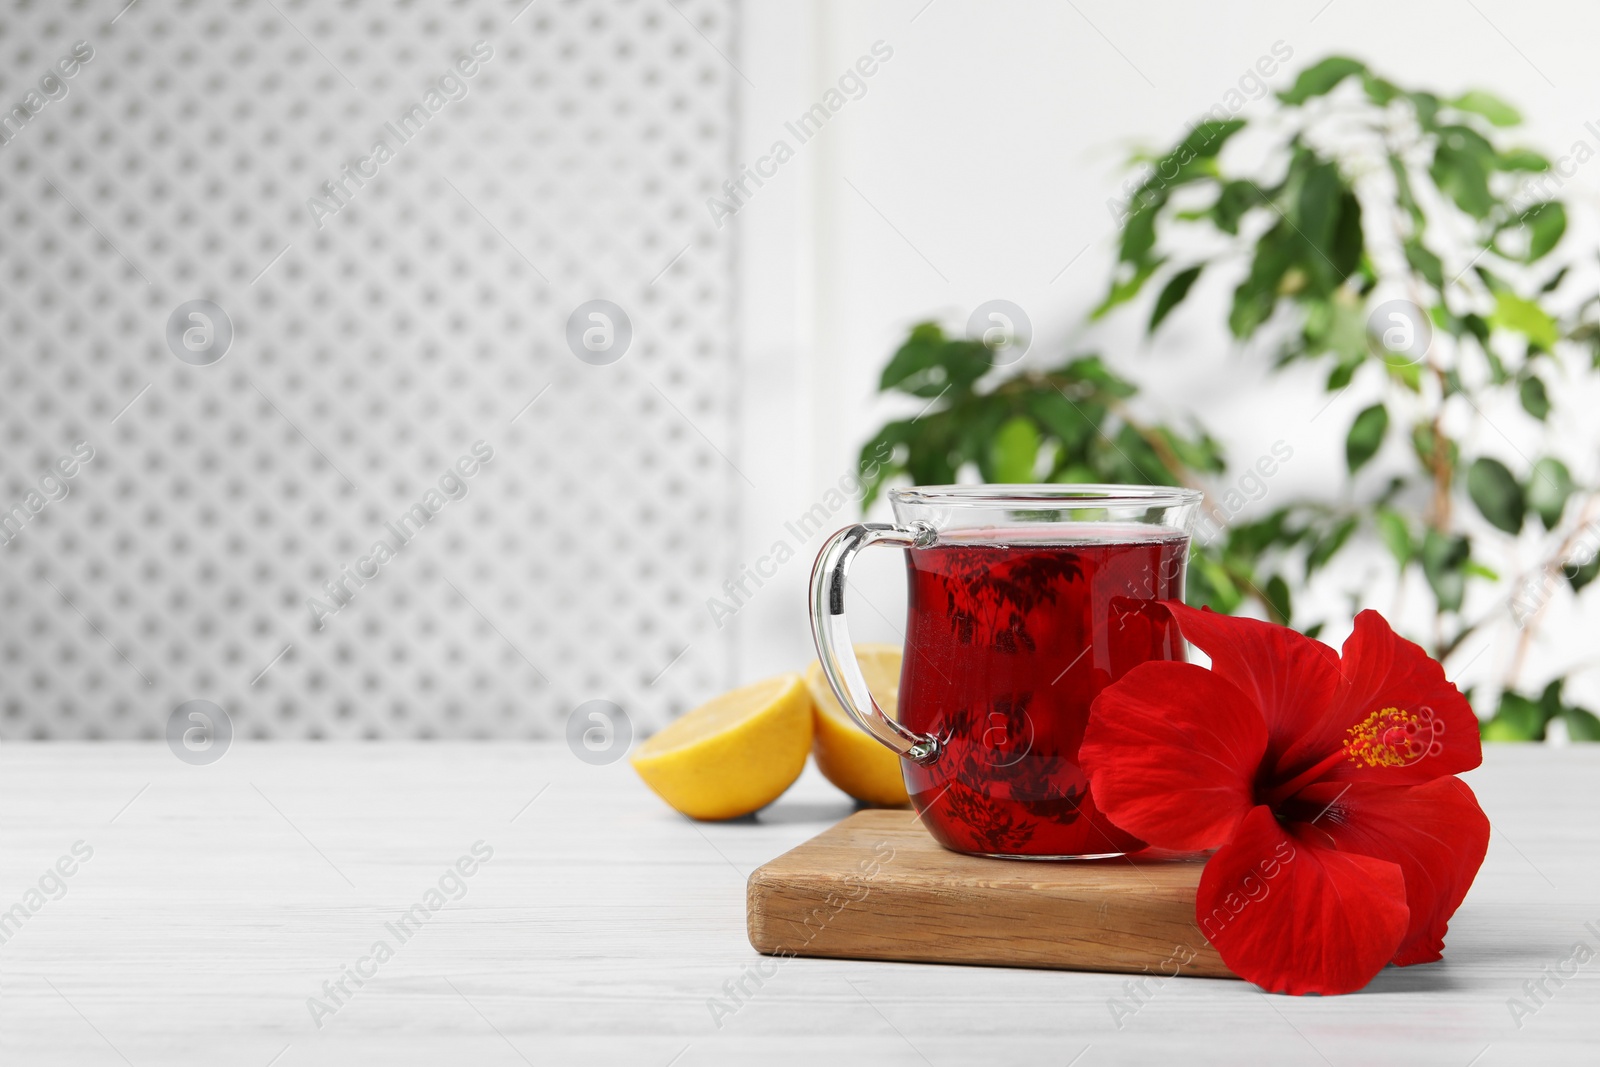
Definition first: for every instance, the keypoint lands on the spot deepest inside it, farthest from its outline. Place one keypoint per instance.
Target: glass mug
(1025, 601)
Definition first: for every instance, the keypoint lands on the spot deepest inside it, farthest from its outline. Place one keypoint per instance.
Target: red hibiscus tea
(1024, 603)
(1006, 647)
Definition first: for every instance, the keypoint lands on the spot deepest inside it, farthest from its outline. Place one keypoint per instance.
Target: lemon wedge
(734, 754)
(846, 755)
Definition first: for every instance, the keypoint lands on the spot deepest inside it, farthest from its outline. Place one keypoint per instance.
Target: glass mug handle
(832, 633)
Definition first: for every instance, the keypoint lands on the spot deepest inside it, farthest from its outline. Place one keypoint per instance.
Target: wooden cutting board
(877, 886)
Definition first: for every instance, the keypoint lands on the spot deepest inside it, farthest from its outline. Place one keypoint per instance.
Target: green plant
(1067, 424)
(1070, 423)
(1403, 242)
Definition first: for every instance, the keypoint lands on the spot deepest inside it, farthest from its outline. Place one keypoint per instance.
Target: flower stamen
(1389, 737)
(1393, 737)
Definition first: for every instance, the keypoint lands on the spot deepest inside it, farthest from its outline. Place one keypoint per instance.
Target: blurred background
(602, 324)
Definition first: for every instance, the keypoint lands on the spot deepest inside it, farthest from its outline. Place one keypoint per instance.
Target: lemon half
(846, 755)
(734, 754)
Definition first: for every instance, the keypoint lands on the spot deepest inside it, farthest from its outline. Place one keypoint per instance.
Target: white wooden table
(219, 899)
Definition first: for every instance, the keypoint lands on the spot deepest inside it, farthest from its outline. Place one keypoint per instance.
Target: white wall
(377, 334)
(978, 165)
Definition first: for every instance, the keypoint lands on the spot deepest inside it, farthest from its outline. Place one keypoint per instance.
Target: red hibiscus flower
(1326, 783)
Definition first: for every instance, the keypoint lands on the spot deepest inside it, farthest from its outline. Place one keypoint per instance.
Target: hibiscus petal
(1295, 917)
(1435, 832)
(1290, 677)
(1171, 751)
(1410, 722)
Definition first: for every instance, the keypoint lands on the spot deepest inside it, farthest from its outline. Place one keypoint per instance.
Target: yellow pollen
(1391, 737)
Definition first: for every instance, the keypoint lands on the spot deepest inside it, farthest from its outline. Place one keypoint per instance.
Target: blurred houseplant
(1394, 237)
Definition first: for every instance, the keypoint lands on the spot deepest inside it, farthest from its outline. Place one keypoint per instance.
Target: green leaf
(1316, 209)
(1467, 139)
(1233, 201)
(1427, 107)
(975, 425)
(1015, 450)
(1320, 78)
(1512, 312)
(1192, 159)
(1500, 730)
(1127, 288)
(928, 363)
(1278, 601)
(1443, 557)
(1582, 574)
(1396, 534)
(1535, 401)
(1544, 223)
(1317, 321)
(1329, 544)
(880, 460)
(1092, 370)
(1348, 240)
(1206, 139)
(1200, 453)
(1139, 233)
(1343, 371)
(1517, 719)
(1549, 487)
(1379, 90)
(1210, 584)
(1478, 327)
(1253, 301)
(1522, 159)
(1345, 335)
(1248, 540)
(1581, 724)
(1427, 443)
(915, 357)
(1075, 474)
(1588, 334)
(1491, 107)
(1425, 263)
(1073, 423)
(1128, 458)
(1465, 180)
(930, 459)
(1172, 294)
(1402, 185)
(1461, 164)
(1406, 373)
(1496, 493)
(1548, 221)
(1366, 436)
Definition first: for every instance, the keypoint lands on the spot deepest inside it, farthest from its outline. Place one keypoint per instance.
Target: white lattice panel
(375, 340)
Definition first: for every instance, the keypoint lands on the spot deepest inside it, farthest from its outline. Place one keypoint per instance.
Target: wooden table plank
(606, 929)
(878, 887)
